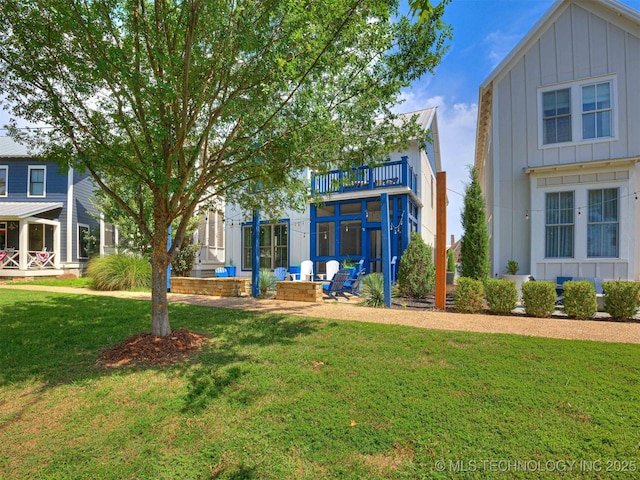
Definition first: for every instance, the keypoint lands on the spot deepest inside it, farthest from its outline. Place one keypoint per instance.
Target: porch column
(386, 248)
(24, 245)
(56, 246)
(255, 255)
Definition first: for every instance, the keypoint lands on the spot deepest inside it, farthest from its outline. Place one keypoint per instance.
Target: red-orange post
(441, 240)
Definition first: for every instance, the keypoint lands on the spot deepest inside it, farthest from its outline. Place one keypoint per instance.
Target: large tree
(171, 102)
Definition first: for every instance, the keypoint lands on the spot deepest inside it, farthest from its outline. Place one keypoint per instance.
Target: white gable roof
(485, 97)
(10, 148)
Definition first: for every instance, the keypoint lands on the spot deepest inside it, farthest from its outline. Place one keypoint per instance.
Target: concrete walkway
(598, 330)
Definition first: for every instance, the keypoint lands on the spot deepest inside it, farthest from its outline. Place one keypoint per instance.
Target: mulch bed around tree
(148, 350)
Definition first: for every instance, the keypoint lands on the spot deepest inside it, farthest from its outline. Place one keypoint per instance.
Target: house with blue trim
(345, 224)
(45, 214)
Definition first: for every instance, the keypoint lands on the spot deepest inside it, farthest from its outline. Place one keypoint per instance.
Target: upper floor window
(596, 110)
(37, 181)
(4, 180)
(556, 120)
(559, 225)
(578, 112)
(603, 223)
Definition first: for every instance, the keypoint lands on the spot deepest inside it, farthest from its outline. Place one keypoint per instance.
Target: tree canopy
(169, 103)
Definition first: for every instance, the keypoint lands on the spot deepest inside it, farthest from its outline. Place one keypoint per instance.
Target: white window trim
(79, 239)
(576, 111)
(44, 186)
(6, 177)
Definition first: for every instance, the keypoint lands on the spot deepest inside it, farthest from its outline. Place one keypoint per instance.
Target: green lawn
(81, 282)
(281, 397)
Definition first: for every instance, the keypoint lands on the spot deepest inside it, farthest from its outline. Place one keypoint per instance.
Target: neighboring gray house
(44, 215)
(558, 145)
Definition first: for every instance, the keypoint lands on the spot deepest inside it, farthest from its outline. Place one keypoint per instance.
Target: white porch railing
(9, 259)
(39, 260)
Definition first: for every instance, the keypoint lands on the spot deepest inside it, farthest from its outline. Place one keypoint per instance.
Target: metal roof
(22, 210)
(10, 148)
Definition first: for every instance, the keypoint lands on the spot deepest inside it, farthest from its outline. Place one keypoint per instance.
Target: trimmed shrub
(417, 273)
(267, 282)
(474, 251)
(469, 296)
(539, 298)
(372, 291)
(451, 261)
(183, 263)
(119, 272)
(501, 295)
(580, 299)
(621, 299)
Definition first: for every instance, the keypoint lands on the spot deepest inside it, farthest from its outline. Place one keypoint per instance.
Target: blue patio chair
(280, 273)
(221, 272)
(336, 286)
(353, 286)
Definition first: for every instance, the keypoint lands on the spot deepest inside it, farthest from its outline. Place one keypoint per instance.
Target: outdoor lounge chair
(336, 286)
(306, 272)
(280, 273)
(332, 268)
(353, 286)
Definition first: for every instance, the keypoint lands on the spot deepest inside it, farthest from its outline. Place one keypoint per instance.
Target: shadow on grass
(55, 338)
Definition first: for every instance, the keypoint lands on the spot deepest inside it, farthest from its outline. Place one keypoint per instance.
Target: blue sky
(484, 32)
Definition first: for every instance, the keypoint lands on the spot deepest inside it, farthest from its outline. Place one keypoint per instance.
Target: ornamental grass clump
(501, 295)
(267, 282)
(119, 271)
(539, 298)
(580, 299)
(621, 299)
(372, 291)
(469, 296)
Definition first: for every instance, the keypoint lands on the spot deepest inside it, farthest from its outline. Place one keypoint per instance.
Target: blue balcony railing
(389, 174)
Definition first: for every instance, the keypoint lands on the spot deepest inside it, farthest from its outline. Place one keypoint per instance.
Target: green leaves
(170, 102)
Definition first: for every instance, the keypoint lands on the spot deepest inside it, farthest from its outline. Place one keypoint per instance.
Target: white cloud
(457, 129)
(499, 45)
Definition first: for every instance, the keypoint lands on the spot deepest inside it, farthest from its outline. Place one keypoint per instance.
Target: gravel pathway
(602, 330)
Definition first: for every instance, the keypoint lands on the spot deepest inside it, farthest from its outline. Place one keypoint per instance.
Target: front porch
(29, 246)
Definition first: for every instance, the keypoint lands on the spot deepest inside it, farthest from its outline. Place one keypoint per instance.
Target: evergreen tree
(475, 241)
(417, 273)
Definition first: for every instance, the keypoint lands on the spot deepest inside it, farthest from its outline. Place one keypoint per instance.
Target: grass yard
(283, 397)
(80, 282)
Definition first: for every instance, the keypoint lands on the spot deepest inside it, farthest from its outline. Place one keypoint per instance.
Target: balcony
(387, 175)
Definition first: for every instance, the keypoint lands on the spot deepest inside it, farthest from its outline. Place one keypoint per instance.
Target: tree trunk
(159, 262)
(159, 312)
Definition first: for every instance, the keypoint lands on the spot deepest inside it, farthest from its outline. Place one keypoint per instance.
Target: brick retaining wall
(299, 291)
(221, 287)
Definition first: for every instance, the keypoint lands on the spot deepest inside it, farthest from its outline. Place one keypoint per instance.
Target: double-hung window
(556, 116)
(559, 225)
(37, 181)
(578, 112)
(4, 180)
(603, 223)
(596, 110)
